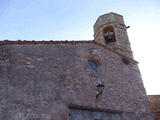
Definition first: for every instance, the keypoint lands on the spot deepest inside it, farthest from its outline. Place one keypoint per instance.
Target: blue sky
(67, 19)
(74, 20)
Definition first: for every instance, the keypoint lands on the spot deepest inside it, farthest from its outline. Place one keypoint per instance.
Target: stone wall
(41, 81)
(154, 101)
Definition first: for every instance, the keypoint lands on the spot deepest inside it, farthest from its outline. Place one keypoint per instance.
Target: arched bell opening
(108, 34)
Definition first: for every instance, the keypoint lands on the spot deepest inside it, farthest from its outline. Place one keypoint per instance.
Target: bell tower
(111, 31)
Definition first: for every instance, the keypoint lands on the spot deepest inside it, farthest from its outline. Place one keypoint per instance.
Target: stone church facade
(73, 80)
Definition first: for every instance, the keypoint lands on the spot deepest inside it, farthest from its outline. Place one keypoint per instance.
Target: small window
(93, 65)
(108, 34)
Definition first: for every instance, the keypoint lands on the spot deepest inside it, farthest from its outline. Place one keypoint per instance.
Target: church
(73, 80)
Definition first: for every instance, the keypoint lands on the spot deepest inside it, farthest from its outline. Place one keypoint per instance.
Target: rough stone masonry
(73, 80)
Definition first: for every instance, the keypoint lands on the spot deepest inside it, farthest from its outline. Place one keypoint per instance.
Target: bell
(109, 37)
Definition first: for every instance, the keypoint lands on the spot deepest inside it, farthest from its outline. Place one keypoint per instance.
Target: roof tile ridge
(7, 42)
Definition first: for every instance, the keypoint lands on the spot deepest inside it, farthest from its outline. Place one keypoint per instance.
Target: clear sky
(74, 20)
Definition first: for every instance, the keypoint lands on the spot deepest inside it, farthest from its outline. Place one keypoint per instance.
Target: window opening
(93, 65)
(108, 34)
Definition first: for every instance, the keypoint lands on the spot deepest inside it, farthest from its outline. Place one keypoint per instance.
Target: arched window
(108, 33)
(92, 64)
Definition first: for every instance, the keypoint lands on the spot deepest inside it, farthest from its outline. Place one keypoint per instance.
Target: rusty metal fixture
(125, 60)
(100, 88)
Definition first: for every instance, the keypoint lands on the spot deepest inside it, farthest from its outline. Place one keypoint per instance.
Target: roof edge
(7, 42)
